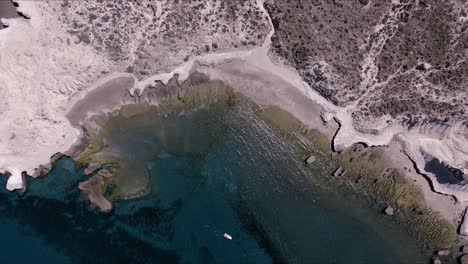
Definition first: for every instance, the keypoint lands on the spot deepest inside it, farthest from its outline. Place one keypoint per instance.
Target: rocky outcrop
(105, 173)
(91, 168)
(445, 252)
(388, 210)
(337, 172)
(92, 188)
(311, 159)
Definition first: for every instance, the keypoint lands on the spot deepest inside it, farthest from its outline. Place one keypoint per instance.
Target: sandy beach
(266, 89)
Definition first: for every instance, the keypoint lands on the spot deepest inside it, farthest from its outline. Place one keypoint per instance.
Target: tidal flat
(212, 162)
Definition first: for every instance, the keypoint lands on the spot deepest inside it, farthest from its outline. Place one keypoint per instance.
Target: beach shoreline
(269, 92)
(265, 88)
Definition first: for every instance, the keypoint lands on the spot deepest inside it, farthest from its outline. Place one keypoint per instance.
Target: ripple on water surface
(212, 171)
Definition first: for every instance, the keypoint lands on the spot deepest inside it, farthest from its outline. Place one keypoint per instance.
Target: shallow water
(212, 171)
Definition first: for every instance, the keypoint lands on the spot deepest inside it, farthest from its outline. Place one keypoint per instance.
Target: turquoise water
(212, 171)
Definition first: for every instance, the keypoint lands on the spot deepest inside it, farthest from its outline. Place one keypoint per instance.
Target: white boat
(226, 235)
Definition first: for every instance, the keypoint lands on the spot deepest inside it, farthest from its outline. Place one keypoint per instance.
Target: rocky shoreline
(248, 72)
(360, 169)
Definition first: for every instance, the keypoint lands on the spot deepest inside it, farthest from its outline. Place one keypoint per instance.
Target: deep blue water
(211, 172)
(443, 173)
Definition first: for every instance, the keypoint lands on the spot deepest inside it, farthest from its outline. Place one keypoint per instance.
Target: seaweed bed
(361, 170)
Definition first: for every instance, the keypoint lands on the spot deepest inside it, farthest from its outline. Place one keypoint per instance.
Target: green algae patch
(358, 162)
(130, 178)
(131, 110)
(94, 144)
(361, 170)
(283, 121)
(433, 228)
(288, 125)
(321, 142)
(129, 182)
(397, 191)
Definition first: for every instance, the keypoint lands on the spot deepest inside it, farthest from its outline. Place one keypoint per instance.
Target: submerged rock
(445, 252)
(388, 210)
(436, 260)
(338, 172)
(93, 189)
(91, 168)
(310, 159)
(105, 173)
(343, 173)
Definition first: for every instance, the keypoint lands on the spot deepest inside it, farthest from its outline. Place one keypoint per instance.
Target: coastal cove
(164, 104)
(229, 132)
(215, 164)
(130, 128)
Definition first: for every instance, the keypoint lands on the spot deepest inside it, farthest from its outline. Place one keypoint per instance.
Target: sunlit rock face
(7, 10)
(403, 62)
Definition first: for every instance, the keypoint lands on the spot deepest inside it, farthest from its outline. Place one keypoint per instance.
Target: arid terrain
(401, 61)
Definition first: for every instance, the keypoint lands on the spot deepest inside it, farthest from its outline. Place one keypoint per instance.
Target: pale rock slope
(41, 68)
